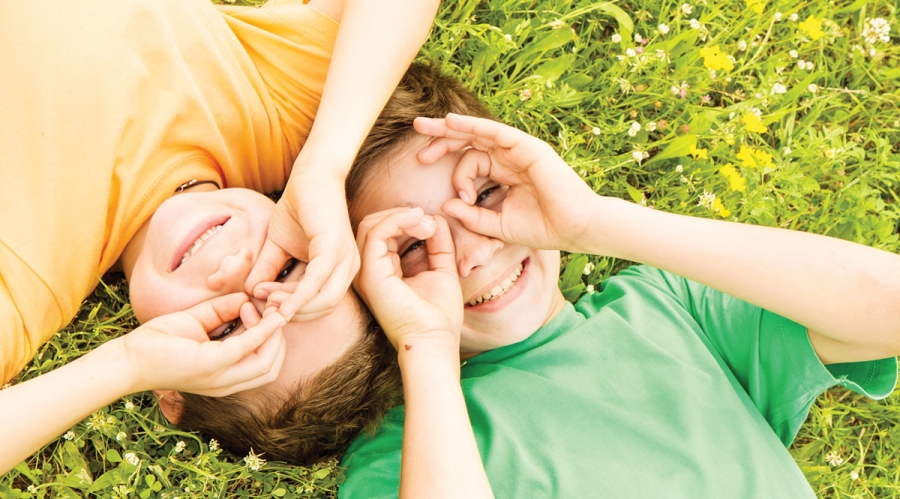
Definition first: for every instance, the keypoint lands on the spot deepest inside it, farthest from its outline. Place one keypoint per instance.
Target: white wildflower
(877, 29)
(742, 46)
(121, 436)
(793, 53)
(180, 446)
(707, 200)
(253, 461)
(213, 444)
(639, 156)
(508, 37)
(787, 150)
(778, 88)
(132, 459)
(679, 168)
(630, 52)
(129, 406)
(687, 8)
(813, 88)
(703, 34)
(589, 289)
(638, 38)
(634, 129)
(651, 127)
(557, 23)
(625, 85)
(756, 111)
(695, 24)
(663, 29)
(793, 17)
(616, 38)
(854, 475)
(588, 268)
(834, 459)
(70, 435)
(778, 16)
(684, 180)
(524, 94)
(595, 131)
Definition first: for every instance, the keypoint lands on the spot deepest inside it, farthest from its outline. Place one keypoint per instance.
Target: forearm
(844, 291)
(36, 411)
(375, 44)
(440, 457)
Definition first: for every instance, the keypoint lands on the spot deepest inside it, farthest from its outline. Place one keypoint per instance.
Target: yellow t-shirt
(108, 105)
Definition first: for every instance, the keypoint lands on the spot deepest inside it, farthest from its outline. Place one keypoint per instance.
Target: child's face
(200, 245)
(520, 283)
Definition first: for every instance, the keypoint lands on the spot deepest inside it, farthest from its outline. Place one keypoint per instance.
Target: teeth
(500, 289)
(199, 242)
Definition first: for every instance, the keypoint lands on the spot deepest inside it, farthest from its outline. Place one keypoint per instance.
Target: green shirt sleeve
(372, 462)
(770, 357)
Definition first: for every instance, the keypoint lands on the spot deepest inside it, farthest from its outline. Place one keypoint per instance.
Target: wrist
(434, 350)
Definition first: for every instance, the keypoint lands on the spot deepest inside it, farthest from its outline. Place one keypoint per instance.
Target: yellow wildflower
(698, 153)
(714, 59)
(753, 158)
(757, 6)
(719, 208)
(754, 123)
(735, 180)
(812, 27)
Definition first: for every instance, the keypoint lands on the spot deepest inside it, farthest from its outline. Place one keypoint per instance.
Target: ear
(171, 403)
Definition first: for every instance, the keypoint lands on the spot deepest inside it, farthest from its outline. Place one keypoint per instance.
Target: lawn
(782, 113)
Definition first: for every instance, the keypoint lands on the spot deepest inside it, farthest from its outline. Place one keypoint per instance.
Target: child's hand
(309, 223)
(547, 202)
(175, 352)
(425, 306)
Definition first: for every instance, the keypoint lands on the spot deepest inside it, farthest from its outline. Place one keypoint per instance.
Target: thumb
(271, 260)
(481, 220)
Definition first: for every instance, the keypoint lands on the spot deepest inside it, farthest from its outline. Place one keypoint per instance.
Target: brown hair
(423, 91)
(323, 415)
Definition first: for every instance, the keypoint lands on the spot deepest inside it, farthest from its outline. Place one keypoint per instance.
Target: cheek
(151, 295)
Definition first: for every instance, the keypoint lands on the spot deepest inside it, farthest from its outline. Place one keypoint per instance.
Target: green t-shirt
(654, 387)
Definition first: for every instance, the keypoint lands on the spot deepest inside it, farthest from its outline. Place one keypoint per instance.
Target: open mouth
(501, 288)
(194, 241)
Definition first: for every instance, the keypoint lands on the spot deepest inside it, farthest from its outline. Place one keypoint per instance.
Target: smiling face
(200, 245)
(510, 290)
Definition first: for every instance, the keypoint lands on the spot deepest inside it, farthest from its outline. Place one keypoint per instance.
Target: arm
(422, 317)
(171, 352)
(846, 294)
(375, 44)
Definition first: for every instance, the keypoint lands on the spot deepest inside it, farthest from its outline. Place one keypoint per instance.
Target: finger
(473, 164)
(486, 130)
(269, 263)
(234, 348)
(481, 220)
(330, 295)
(440, 147)
(441, 251)
(249, 315)
(265, 289)
(219, 310)
(254, 369)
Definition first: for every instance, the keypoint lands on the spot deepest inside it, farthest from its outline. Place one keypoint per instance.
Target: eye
(288, 268)
(230, 328)
(417, 244)
(490, 196)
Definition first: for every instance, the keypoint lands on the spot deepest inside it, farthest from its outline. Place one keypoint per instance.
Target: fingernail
(427, 221)
(464, 197)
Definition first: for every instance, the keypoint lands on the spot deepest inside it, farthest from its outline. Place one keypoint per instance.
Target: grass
(823, 158)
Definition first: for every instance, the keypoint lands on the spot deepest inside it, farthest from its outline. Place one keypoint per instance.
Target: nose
(472, 249)
(232, 273)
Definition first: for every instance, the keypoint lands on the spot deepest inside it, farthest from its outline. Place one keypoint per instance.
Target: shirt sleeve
(770, 356)
(372, 463)
(290, 45)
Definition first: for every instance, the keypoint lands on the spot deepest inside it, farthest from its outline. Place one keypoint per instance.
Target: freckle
(408, 347)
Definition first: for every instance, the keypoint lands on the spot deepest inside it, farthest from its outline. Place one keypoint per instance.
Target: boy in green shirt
(656, 386)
